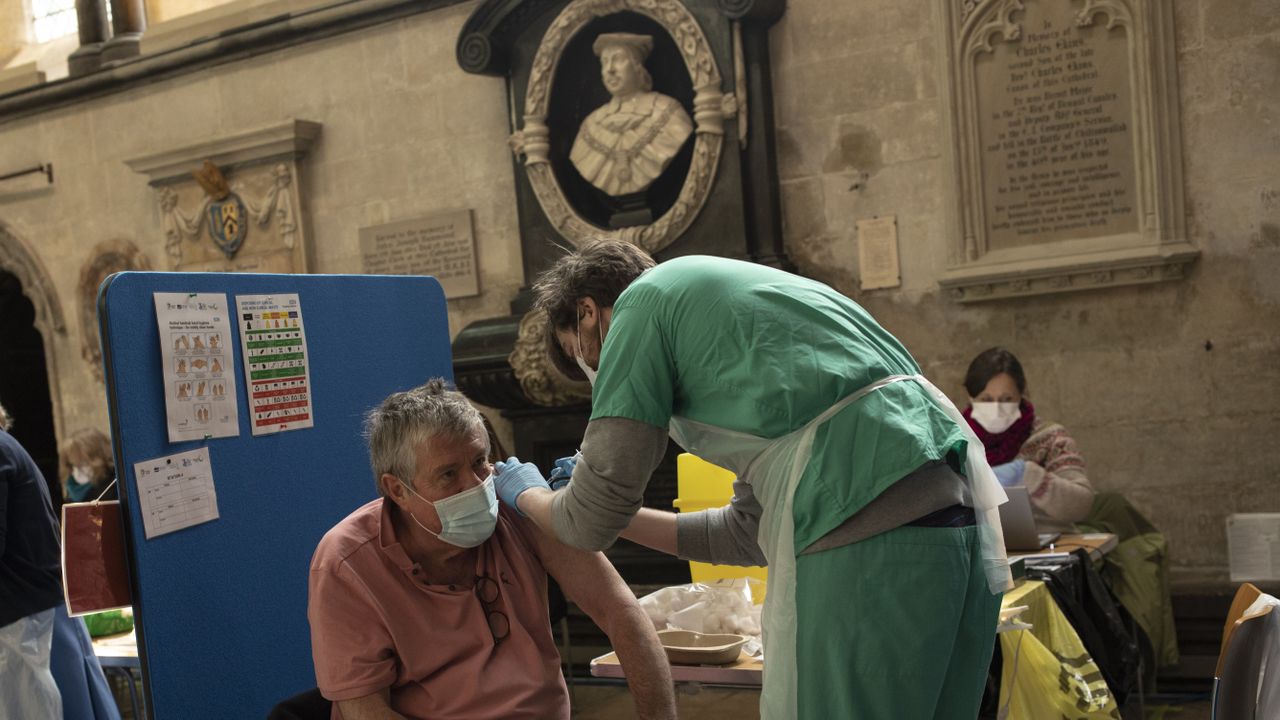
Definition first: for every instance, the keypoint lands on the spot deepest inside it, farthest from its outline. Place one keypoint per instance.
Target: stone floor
(597, 700)
(613, 702)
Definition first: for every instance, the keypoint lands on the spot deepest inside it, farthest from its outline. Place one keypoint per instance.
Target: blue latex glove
(1010, 473)
(562, 471)
(512, 477)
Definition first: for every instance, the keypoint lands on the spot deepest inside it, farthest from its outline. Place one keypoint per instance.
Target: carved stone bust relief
(633, 143)
(625, 144)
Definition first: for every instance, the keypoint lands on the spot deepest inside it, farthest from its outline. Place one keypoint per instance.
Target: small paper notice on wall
(275, 362)
(176, 492)
(199, 381)
(1253, 546)
(878, 252)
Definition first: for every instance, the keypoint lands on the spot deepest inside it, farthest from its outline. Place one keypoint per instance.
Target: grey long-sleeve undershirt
(619, 455)
(607, 489)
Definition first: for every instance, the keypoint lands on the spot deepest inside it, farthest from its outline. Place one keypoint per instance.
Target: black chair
(558, 612)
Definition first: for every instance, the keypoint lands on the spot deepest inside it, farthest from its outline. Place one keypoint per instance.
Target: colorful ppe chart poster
(199, 380)
(275, 362)
(176, 492)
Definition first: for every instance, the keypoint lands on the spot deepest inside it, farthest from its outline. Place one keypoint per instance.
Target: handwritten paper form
(176, 492)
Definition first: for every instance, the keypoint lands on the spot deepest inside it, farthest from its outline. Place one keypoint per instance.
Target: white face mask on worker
(996, 417)
(582, 364)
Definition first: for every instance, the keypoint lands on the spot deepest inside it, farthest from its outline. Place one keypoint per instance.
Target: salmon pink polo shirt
(378, 622)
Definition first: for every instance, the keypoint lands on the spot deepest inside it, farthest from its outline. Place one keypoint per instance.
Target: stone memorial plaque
(1055, 127)
(442, 246)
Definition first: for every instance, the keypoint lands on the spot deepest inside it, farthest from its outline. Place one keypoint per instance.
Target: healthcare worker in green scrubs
(858, 483)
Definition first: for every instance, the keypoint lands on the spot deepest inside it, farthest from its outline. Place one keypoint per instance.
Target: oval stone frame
(533, 141)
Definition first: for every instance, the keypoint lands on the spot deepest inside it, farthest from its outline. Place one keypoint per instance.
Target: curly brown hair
(601, 270)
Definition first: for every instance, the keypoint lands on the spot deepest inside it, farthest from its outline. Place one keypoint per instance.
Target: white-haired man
(432, 602)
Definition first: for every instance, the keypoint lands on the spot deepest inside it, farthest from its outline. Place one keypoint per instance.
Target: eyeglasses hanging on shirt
(489, 594)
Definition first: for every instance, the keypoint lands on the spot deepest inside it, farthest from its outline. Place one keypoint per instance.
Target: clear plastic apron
(27, 687)
(773, 468)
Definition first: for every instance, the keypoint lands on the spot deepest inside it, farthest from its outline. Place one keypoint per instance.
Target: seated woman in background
(1022, 448)
(92, 466)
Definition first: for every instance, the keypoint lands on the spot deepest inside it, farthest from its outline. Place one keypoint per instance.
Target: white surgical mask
(466, 519)
(81, 476)
(996, 417)
(582, 364)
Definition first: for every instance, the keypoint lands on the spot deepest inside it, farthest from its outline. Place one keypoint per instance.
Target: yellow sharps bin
(700, 486)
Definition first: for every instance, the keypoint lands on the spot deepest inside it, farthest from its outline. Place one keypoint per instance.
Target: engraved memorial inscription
(1055, 123)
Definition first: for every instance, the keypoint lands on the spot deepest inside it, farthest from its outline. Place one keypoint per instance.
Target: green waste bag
(111, 622)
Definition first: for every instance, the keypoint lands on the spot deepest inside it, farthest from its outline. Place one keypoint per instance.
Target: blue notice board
(222, 606)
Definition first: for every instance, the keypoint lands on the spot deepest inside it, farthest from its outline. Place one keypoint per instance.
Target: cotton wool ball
(657, 614)
(716, 621)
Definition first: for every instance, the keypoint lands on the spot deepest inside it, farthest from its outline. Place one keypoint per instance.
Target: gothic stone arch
(17, 258)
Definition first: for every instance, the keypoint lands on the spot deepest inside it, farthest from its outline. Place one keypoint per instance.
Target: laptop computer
(1019, 525)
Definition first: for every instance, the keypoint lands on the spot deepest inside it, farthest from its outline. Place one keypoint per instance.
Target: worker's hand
(1010, 473)
(562, 471)
(511, 478)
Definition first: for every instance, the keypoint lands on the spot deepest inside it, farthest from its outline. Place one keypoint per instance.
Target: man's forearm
(654, 529)
(370, 707)
(536, 505)
(644, 663)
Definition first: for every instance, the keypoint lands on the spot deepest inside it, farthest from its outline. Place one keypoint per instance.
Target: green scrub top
(761, 351)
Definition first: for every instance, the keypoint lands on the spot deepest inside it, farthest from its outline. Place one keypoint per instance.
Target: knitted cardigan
(1061, 494)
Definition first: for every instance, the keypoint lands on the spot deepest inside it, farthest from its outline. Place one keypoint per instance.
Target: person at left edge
(431, 602)
(30, 585)
(47, 665)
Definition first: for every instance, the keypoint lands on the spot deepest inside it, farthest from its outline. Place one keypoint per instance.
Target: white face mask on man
(468, 518)
(996, 417)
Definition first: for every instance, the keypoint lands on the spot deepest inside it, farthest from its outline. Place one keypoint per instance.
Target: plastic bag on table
(723, 606)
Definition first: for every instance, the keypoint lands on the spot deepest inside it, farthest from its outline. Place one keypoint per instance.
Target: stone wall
(161, 10)
(1171, 390)
(405, 133)
(13, 30)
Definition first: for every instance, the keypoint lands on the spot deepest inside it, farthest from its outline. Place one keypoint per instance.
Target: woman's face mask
(467, 519)
(996, 417)
(81, 475)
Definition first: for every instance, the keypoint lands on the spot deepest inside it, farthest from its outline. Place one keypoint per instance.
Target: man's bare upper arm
(587, 578)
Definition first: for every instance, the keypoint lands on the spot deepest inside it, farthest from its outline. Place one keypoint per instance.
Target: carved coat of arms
(228, 216)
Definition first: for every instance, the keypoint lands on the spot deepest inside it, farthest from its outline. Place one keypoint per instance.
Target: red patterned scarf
(1003, 447)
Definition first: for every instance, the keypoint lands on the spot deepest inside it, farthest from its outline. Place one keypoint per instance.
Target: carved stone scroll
(539, 380)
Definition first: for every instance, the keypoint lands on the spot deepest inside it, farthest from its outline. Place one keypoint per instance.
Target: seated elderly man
(431, 601)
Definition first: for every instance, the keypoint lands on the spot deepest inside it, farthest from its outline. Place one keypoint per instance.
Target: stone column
(92, 18)
(128, 21)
